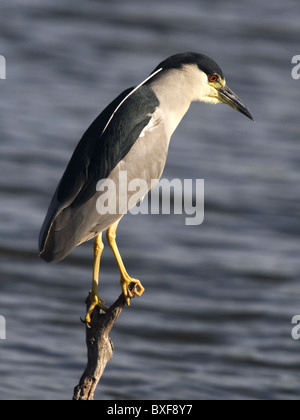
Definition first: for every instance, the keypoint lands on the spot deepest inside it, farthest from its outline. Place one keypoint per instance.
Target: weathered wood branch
(100, 348)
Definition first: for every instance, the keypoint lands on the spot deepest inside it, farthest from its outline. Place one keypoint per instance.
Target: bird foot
(95, 301)
(128, 293)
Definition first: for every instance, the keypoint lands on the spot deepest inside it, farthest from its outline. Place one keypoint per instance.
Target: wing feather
(106, 142)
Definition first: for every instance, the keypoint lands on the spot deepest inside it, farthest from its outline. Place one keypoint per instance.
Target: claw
(85, 323)
(138, 290)
(95, 301)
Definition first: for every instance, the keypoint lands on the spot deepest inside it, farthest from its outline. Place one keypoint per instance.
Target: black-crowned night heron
(131, 135)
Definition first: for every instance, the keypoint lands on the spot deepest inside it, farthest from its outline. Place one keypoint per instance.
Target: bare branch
(100, 348)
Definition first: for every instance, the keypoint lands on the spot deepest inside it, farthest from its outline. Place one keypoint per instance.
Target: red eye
(213, 78)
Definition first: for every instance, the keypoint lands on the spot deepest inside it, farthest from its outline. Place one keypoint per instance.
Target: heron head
(206, 81)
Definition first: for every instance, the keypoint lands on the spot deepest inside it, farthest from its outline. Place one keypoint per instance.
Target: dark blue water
(215, 320)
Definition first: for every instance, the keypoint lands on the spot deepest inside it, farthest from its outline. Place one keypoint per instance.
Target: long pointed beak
(227, 96)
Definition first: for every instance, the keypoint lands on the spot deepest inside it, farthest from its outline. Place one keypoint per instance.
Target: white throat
(176, 89)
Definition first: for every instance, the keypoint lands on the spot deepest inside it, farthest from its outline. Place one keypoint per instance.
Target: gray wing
(70, 219)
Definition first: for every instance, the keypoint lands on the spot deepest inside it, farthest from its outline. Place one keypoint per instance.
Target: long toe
(138, 290)
(96, 301)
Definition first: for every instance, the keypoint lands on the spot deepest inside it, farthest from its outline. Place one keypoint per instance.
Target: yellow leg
(125, 278)
(94, 298)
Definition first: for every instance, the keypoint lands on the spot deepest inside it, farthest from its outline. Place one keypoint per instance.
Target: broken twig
(100, 348)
